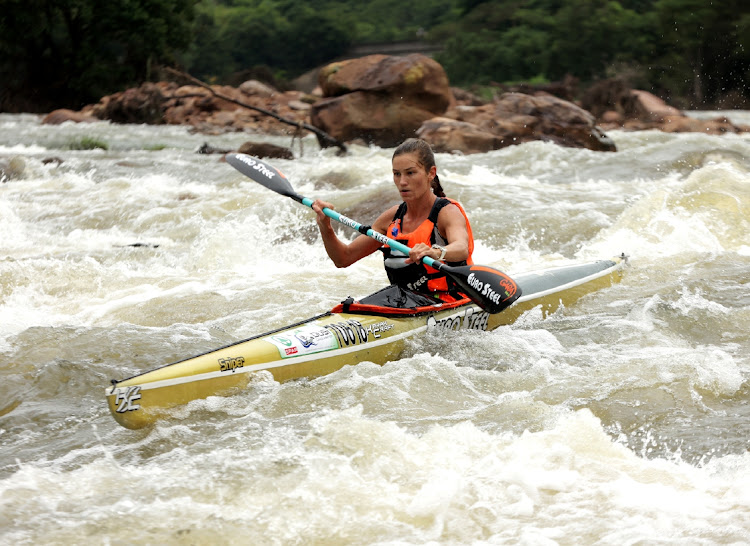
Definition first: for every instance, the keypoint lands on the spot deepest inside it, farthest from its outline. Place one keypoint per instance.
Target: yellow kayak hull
(328, 342)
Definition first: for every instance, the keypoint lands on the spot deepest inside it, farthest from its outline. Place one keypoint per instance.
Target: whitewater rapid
(623, 419)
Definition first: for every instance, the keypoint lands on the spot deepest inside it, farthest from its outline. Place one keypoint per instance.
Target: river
(622, 419)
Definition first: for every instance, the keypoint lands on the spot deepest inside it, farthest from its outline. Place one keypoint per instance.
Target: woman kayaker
(426, 221)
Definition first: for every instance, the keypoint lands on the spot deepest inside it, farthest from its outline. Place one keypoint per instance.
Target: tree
(704, 44)
(71, 52)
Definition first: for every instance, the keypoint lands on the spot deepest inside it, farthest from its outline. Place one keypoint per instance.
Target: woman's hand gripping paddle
(489, 288)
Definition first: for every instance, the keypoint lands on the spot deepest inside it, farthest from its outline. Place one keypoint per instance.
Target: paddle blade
(489, 288)
(263, 174)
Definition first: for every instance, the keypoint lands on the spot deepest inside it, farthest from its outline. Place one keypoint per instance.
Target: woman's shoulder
(385, 218)
(450, 211)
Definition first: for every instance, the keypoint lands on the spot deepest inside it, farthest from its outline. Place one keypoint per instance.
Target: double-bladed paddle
(489, 288)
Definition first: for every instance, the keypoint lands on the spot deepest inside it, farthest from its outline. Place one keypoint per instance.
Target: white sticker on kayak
(305, 340)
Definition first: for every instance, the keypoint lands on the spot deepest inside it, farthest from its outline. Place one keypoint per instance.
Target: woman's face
(412, 180)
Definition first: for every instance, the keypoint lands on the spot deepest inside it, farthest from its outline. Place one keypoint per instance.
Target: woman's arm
(345, 254)
(452, 225)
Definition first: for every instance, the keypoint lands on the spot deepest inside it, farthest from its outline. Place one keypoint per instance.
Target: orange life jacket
(420, 277)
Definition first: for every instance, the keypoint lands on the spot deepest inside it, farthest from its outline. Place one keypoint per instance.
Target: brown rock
(466, 98)
(685, 124)
(254, 88)
(56, 117)
(516, 118)
(266, 149)
(375, 118)
(447, 135)
(611, 116)
(144, 104)
(414, 78)
(557, 120)
(648, 107)
(380, 99)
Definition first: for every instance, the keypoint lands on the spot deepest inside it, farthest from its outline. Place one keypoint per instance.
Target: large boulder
(413, 78)
(380, 99)
(515, 118)
(144, 104)
(374, 118)
(448, 135)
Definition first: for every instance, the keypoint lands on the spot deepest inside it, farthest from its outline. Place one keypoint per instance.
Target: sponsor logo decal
(486, 290)
(471, 319)
(125, 398)
(348, 333)
(309, 338)
(416, 284)
(379, 327)
(352, 332)
(230, 364)
(306, 339)
(262, 169)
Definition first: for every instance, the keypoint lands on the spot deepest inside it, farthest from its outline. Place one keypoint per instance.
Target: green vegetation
(71, 53)
(684, 50)
(67, 53)
(87, 143)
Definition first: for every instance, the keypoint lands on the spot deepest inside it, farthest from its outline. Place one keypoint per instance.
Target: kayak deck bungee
(352, 332)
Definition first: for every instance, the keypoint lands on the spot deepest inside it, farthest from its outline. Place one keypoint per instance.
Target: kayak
(373, 329)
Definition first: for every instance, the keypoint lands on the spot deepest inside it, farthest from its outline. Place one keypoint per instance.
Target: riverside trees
(71, 52)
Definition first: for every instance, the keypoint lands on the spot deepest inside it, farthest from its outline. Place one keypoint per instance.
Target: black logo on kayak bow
(470, 319)
(351, 332)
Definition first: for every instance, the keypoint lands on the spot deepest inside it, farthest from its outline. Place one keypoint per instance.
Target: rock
(144, 104)
(516, 118)
(606, 95)
(56, 117)
(447, 135)
(374, 118)
(466, 98)
(254, 88)
(299, 105)
(565, 89)
(266, 149)
(612, 116)
(648, 107)
(380, 99)
(685, 124)
(414, 78)
(557, 120)
(206, 148)
(619, 107)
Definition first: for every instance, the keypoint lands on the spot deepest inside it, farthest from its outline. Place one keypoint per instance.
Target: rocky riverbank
(381, 100)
